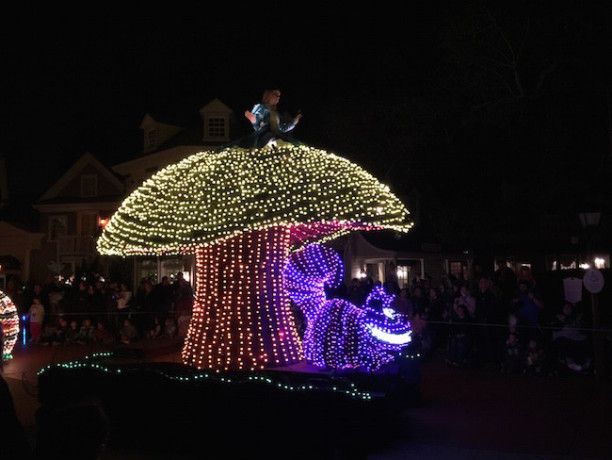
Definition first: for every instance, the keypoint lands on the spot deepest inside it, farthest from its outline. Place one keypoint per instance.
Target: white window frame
(214, 132)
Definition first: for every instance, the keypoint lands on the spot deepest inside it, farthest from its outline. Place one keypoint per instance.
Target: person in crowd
(124, 295)
(156, 331)
(102, 334)
(512, 354)
(79, 300)
(86, 333)
(526, 275)
(170, 327)
(459, 340)
(505, 279)
(534, 359)
(35, 290)
(145, 303)
(183, 325)
(466, 300)
(418, 300)
(354, 294)
(528, 307)
(445, 291)
(568, 342)
(49, 334)
(57, 295)
(141, 291)
(402, 303)
(183, 296)
(391, 284)
(72, 332)
(128, 332)
(37, 316)
(488, 311)
(62, 330)
(436, 304)
(419, 337)
(162, 298)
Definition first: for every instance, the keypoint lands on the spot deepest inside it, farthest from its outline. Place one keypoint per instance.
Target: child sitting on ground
(72, 332)
(156, 330)
(512, 355)
(535, 358)
(170, 328)
(102, 335)
(85, 335)
(183, 325)
(128, 332)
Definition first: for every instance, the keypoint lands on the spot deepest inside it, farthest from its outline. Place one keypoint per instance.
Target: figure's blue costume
(268, 120)
(269, 126)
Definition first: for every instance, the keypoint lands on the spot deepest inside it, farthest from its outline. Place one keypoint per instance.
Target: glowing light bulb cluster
(93, 362)
(240, 212)
(241, 315)
(9, 319)
(211, 196)
(338, 333)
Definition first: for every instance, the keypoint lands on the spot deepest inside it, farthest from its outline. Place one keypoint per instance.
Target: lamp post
(590, 221)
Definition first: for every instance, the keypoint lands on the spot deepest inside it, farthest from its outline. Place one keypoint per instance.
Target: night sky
(477, 109)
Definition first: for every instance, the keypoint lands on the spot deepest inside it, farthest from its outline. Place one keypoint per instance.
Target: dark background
(486, 116)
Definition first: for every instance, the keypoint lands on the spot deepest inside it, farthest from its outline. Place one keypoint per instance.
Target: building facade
(72, 212)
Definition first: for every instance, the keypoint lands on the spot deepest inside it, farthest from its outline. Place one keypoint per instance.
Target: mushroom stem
(241, 315)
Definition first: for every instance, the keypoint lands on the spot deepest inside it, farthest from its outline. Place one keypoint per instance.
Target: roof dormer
(216, 119)
(156, 133)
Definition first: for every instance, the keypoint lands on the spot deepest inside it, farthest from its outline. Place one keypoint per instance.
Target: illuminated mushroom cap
(211, 196)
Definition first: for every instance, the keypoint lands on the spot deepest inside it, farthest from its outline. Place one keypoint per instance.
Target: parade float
(256, 221)
(245, 214)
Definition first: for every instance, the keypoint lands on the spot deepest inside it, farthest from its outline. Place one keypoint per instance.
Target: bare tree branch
(502, 34)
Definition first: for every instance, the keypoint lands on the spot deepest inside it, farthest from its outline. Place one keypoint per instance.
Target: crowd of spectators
(497, 321)
(90, 309)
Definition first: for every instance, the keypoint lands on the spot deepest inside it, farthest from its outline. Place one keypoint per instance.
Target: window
(216, 127)
(89, 185)
(170, 267)
(146, 268)
(88, 224)
(403, 275)
(151, 140)
(456, 269)
(58, 227)
(408, 269)
(102, 221)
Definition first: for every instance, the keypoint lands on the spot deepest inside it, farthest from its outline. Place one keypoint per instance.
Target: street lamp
(589, 221)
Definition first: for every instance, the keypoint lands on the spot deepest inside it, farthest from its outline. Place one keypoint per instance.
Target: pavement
(462, 414)
(487, 414)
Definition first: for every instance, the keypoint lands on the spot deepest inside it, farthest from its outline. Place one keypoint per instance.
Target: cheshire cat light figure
(241, 212)
(339, 334)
